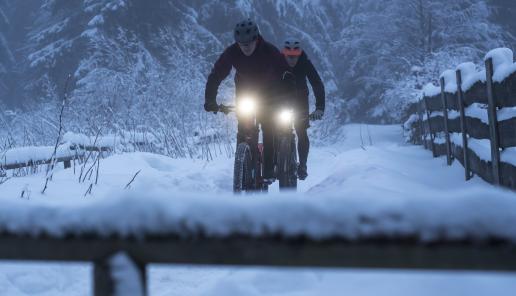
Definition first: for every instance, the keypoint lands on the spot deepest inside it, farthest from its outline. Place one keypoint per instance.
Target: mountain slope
(141, 62)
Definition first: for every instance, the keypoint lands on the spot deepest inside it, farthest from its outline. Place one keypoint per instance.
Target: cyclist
(259, 69)
(302, 68)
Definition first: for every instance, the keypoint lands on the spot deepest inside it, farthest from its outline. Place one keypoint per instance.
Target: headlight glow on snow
(286, 116)
(246, 106)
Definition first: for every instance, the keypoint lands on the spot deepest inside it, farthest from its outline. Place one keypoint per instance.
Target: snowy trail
(386, 166)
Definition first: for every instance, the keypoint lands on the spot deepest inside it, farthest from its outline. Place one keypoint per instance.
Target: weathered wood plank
(506, 92)
(433, 103)
(440, 149)
(507, 132)
(477, 129)
(451, 101)
(479, 167)
(508, 175)
(454, 125)
(476, 94)
(272, 251)
(458, 153)
(436, 124)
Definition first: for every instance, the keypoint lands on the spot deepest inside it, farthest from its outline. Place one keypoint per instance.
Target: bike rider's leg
(303, 147)
(240, 133)
(268, 149)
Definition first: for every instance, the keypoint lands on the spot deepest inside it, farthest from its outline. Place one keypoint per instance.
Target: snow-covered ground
(352, 166)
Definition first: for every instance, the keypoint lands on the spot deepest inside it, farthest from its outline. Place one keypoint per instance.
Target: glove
(211, 107)
(316, 115)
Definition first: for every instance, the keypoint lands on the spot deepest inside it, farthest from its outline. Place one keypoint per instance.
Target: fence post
(421, 124)
(432, 145)
(446, 130)
(463, 125)
(493, 122)
(106, 283)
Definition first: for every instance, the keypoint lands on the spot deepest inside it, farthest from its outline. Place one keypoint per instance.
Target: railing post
(421, 124)
(463, 126)
(493, 122)
(118, 273)
(446, 130)
(432, 137)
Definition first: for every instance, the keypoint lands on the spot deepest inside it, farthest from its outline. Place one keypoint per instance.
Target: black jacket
(259, 74)
(305, 69)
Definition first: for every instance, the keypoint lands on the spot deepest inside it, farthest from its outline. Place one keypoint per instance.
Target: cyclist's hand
(316, 115)
(224, 109)
(211, 107)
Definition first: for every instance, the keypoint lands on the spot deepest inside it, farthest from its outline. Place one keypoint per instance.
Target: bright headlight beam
(246, 106)
(286, 116)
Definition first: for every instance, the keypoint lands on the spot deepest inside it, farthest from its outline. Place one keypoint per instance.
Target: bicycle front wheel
(243, 169)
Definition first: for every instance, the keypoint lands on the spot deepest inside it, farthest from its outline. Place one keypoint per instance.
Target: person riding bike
(302, 68)
(260, 68)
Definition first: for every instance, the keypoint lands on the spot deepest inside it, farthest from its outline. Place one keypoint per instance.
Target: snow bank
(450, 81)
(503, 63)
(352, 215)
(431, 90)
(470, 75)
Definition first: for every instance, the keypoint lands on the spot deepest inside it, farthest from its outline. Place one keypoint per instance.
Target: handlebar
(226, 109)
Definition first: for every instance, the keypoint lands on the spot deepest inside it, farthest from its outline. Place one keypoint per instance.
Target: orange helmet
(292, 47)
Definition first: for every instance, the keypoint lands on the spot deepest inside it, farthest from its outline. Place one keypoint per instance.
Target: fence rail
(252, 251)
(74, 152)
(475, 124)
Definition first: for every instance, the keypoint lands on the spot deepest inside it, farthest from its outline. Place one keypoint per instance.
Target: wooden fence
(76, 152)
(273, 251)
(451, 123)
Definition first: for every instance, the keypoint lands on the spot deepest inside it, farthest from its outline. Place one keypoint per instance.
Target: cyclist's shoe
(301, 172)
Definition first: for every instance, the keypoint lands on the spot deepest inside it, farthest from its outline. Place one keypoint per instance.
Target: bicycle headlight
(246, 106)
(286, 116)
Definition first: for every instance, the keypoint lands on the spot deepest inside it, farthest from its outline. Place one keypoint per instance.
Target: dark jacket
(259, 74)
(305, 69)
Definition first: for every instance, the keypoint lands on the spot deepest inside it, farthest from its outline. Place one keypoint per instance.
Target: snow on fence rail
(471, 117)
(148, 227)
(73, 146)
